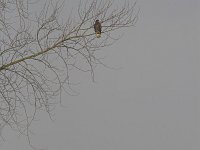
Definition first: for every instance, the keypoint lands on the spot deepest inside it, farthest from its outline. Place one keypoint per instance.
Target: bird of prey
(97, 28)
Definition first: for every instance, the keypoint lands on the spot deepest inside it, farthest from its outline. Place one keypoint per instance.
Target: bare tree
(39, 52)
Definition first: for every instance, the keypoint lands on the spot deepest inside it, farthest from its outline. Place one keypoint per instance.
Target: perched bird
(97, 28)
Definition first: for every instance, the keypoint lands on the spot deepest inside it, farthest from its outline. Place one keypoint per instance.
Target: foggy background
(150, 103)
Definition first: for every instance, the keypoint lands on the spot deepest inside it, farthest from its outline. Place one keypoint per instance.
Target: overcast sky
(150, 103)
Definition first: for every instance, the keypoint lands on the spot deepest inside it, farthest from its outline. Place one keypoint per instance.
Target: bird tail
(98, 34)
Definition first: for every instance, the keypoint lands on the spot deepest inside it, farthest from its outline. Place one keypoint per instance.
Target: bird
(97, 28)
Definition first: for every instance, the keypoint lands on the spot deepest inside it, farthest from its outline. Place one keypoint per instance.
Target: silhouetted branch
(39, 50)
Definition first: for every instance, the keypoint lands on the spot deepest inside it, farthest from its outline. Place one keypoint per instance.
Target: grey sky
(150, 103)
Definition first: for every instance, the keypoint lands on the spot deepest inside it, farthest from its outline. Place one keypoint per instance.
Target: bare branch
(40, 50)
